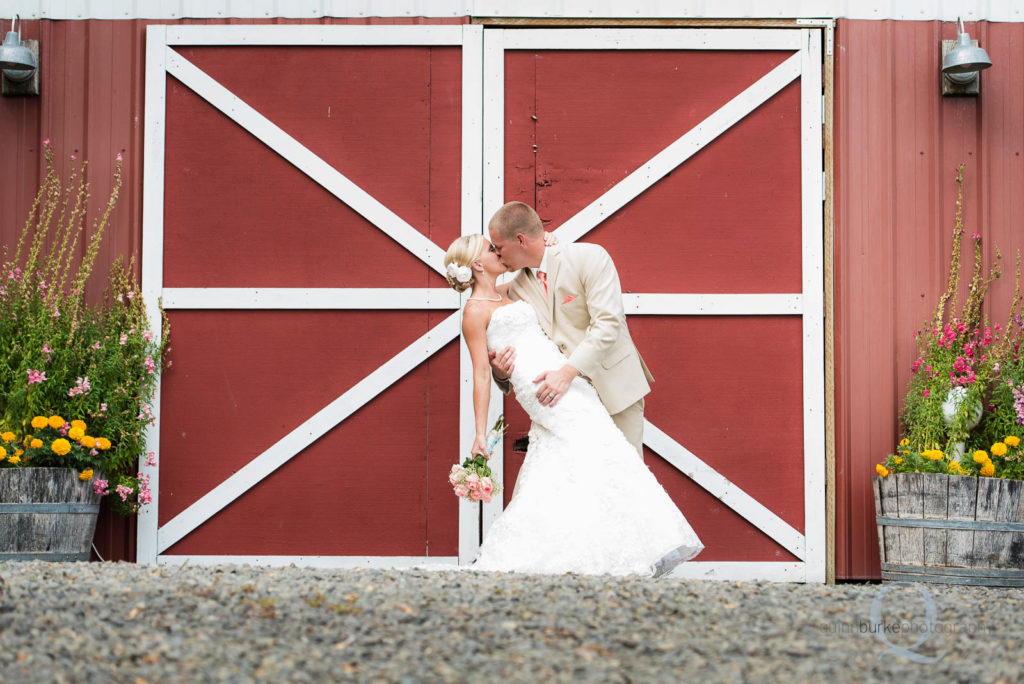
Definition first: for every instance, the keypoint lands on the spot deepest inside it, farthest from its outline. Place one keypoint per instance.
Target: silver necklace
(485, 299)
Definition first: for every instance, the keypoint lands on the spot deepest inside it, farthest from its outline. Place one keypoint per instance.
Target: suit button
(562, 347)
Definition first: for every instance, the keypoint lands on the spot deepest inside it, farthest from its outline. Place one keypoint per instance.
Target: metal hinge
(828, 24)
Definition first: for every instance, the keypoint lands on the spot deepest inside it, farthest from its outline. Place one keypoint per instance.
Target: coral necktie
(543, 278)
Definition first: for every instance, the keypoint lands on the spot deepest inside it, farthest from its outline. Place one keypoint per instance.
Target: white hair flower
(462, 274)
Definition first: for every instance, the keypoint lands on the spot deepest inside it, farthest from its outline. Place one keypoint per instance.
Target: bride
(583, 502)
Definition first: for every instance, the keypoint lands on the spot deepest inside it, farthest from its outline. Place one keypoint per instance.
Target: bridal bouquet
(473, 480)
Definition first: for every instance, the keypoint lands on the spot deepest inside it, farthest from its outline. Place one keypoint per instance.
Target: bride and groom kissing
(556, 336)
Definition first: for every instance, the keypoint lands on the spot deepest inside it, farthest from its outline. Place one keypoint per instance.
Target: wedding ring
(551, 396)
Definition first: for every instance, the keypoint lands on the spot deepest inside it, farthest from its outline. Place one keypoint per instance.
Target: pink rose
(100, 487)
(473, 482)
(486, 487)
(461, 490)
(486, 498)
(474, 495)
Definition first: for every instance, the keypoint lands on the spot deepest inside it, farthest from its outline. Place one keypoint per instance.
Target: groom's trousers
(631, 422)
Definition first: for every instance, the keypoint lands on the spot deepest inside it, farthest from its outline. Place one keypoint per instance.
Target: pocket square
(568, 298)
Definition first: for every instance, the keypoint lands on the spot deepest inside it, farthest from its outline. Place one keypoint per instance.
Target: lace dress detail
(585, 502)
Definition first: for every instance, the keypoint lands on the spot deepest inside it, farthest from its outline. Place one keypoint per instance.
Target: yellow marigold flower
(988, 469)
(980, 456)
(19, 452)
(85, 475)
(3, 453)
(934, 454)
(954, 468)
(39, 422)
(87, 441)
(60, 446)
(897, 460)
(36, 443)
(998, 449)
(55, 422)
(78, 424)
(7, 436)
(102, 443)
(904, 442)
(76, 433)
(882, 470)
(1012, 440)
(14, 459)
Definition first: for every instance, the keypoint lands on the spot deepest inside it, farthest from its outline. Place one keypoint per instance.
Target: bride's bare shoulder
(475, 316)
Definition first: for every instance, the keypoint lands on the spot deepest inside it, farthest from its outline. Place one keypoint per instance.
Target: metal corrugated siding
(897, 142)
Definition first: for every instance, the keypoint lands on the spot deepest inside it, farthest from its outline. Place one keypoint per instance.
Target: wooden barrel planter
(46, 514)
(950, 529)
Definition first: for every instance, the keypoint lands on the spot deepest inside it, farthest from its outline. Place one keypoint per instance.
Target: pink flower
(118, 157)
(473, 482)
(123, 339)
(486, 486)
(151, 461)
(148, 335)
(474, 495)
(74, 157)
(100, 487)
(46, 143)
(56, 312)
(120, 299)
(150, 366)
(926, 393)
(35, 376)
(976, 236)
(96, 345)
(81, 387)
(145, 496)
(456, 476)
(131, 294)
(123, 492)
(461, 490)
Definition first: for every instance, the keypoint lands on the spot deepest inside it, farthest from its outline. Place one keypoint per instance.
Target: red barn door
(295, 225)
(695, 158)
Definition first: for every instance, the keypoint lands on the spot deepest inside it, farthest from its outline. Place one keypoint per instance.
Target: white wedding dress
(584, 502)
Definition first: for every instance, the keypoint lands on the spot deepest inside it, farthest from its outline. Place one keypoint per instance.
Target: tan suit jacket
(582, 313)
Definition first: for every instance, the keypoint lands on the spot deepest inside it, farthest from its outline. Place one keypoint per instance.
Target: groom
(575, 291)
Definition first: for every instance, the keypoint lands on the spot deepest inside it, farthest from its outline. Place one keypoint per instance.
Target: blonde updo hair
(463, 252)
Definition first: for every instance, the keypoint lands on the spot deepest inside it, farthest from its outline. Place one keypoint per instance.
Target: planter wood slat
(963, 496)
(891, 546)
(935, 494)
(909, 505)
(46, 514)
(951, 529)
(1006, 511)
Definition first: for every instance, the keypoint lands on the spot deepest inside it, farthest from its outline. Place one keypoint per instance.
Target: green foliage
(61, 356)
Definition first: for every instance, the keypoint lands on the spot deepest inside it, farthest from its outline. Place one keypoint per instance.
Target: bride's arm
(474, 331)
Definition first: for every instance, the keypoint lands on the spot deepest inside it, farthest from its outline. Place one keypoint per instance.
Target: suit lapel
(554, 265)
(527, 287)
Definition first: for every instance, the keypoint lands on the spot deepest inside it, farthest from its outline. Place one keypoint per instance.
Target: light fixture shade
(13, 56)
(965, 57)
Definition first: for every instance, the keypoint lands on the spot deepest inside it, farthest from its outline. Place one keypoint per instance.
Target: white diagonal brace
(728, 493)
(310, 164)
(307, 433)
(682, 149)
(348, 298)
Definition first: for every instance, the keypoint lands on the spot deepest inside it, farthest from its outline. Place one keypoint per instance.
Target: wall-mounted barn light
(962, 59)
(19, 60)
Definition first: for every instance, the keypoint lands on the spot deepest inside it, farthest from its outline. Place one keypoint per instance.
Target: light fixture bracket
(29, 86)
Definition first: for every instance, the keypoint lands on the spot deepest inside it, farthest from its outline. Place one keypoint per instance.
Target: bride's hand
(550, 239)
(479, 447)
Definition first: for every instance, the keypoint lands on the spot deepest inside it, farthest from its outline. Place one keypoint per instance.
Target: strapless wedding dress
(585, 502)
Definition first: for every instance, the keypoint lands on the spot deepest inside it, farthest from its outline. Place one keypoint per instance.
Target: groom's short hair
(516, 217)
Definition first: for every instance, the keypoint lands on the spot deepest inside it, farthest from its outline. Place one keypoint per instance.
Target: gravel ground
(128, 623)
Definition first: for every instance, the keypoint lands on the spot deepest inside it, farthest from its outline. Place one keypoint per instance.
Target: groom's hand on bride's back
(502, 362)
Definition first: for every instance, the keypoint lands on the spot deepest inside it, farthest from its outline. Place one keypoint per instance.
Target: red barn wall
(896, 143)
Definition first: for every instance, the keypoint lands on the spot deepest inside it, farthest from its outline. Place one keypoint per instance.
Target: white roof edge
(920, 10)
